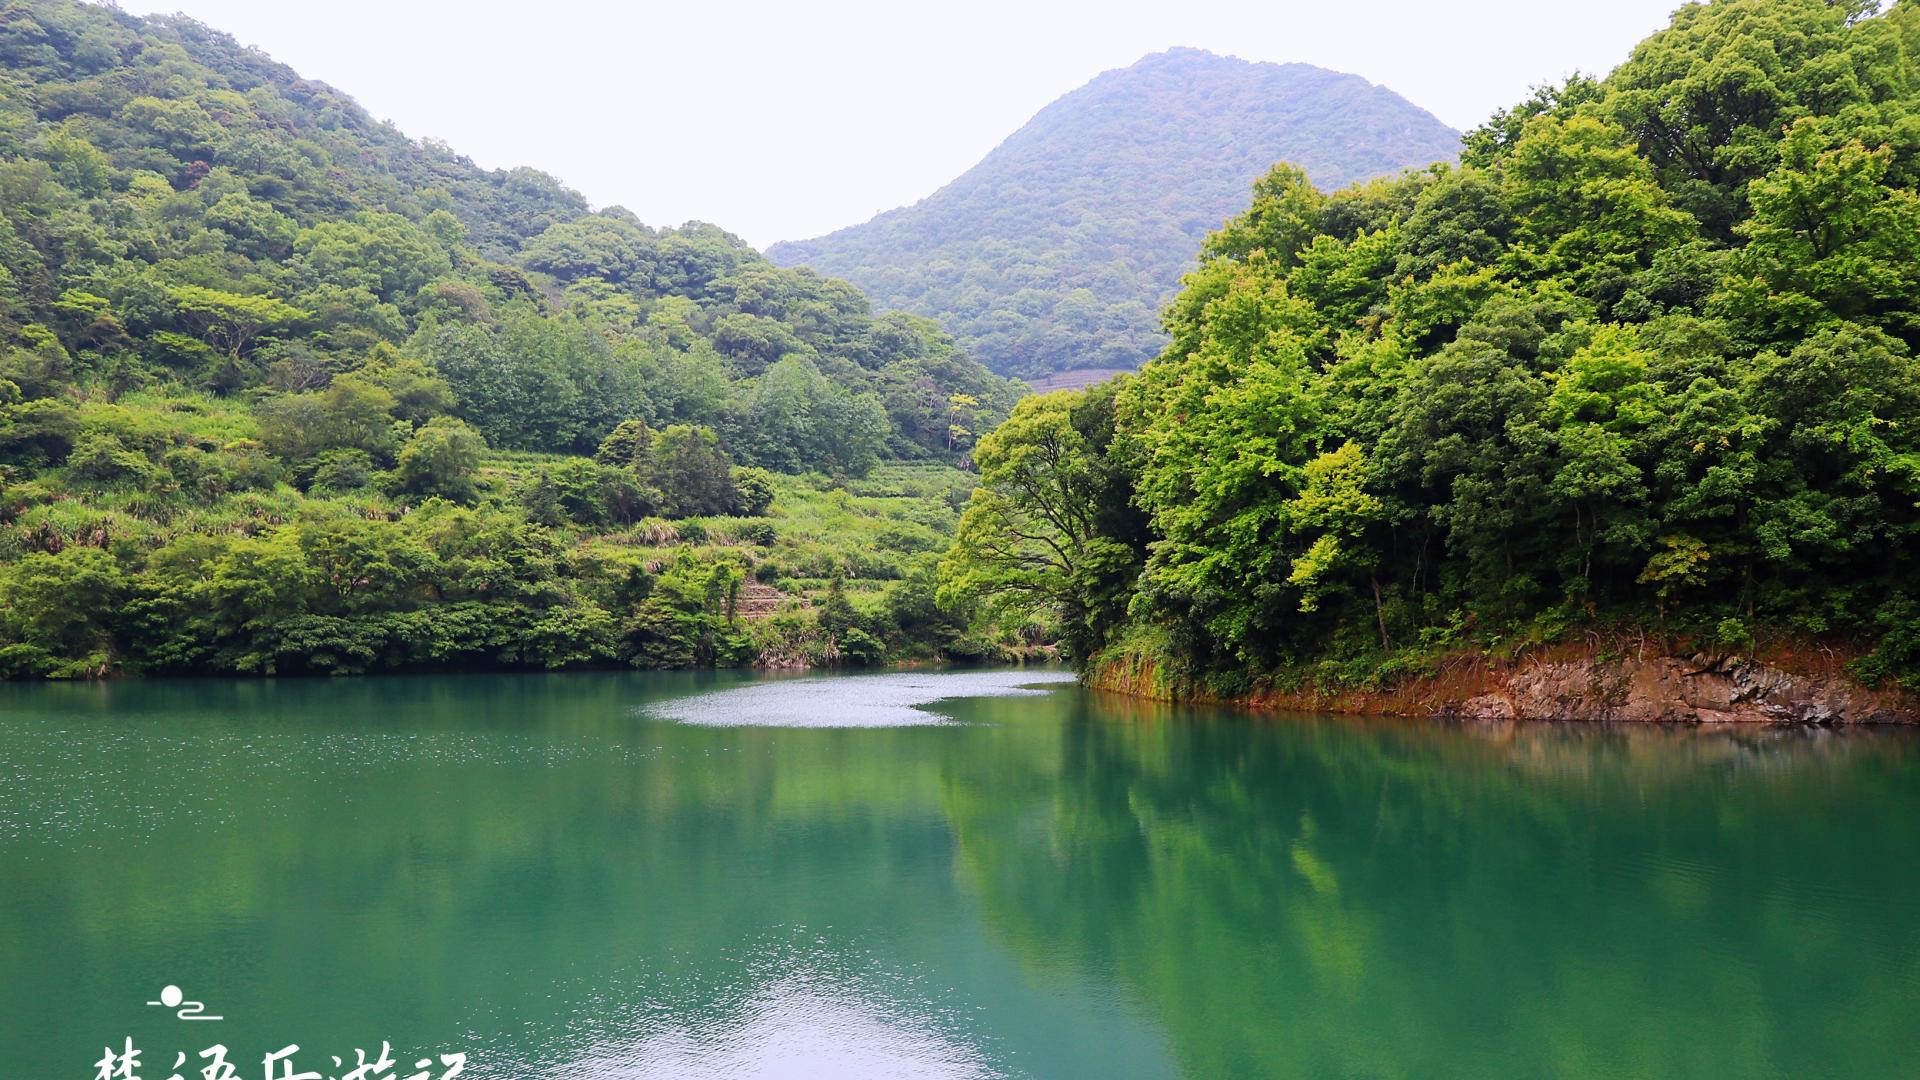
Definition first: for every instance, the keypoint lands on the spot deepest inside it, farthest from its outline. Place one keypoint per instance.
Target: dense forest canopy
(1644, 359)
(184, 212)
(1059, 249)
(260, 358)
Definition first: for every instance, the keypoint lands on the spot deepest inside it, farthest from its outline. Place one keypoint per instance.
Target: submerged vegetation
(283, 390)
(1644, 359)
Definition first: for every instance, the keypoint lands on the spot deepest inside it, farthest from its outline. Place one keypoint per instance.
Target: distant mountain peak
(1056, 251)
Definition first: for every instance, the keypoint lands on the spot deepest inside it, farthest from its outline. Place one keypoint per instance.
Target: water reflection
(1339, 897)
(851, 701)
(819, 1019)
(1065, 884)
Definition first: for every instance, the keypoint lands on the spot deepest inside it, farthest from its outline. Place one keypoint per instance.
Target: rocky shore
(1675, 689)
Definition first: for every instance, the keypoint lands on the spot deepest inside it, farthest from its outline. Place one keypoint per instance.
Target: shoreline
(1572, 685)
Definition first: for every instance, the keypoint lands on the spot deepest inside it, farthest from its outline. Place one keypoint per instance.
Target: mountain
(282, 389)
(180, 212)
(1639, 379)
(1057, 251)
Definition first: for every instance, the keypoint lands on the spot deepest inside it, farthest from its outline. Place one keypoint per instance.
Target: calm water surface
(607, 876)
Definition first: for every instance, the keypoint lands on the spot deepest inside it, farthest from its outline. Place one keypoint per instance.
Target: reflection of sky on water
(1064, 885)
(795, 1003)
(790, 1028)
(892, 700)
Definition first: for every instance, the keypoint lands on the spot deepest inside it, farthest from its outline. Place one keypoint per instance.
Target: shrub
(440, 459)
(760, 533)
(341, 470)
(102, 460)
(754, 488)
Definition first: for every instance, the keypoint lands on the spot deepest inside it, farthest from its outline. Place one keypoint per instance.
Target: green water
(550, 875)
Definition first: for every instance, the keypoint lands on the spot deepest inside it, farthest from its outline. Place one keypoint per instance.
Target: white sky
(782, 120)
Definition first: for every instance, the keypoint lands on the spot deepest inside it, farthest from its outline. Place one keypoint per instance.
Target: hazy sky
(784, 120)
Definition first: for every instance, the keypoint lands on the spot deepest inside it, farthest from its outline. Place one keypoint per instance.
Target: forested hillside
(1641, 368)
(1059, 249)
(280, 387)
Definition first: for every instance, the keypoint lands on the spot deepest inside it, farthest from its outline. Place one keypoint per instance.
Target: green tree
(389, 256)
(692, 472)
(756, 490)
(837, 617)
(1829, 239)
(230, 321)
(1044, 534)
(626, 446)
(350, 413)
(56, 610)
(441, 459)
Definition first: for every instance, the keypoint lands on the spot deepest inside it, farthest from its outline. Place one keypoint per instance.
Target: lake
(600, 876)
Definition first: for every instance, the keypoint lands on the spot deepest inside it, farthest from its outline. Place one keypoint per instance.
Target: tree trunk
(1379, 610)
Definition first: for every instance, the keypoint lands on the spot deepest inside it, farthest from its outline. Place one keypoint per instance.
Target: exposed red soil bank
(1805, 687)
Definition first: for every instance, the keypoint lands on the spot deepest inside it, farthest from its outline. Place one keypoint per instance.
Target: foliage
(1648, 357)
(439, 461)
(687, 463)
(283, 390)
(537, 561)
(1048, 532)
(181, 211)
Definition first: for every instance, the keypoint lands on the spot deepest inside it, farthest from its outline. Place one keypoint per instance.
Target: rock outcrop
(1579, 685)
(1669, 689)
